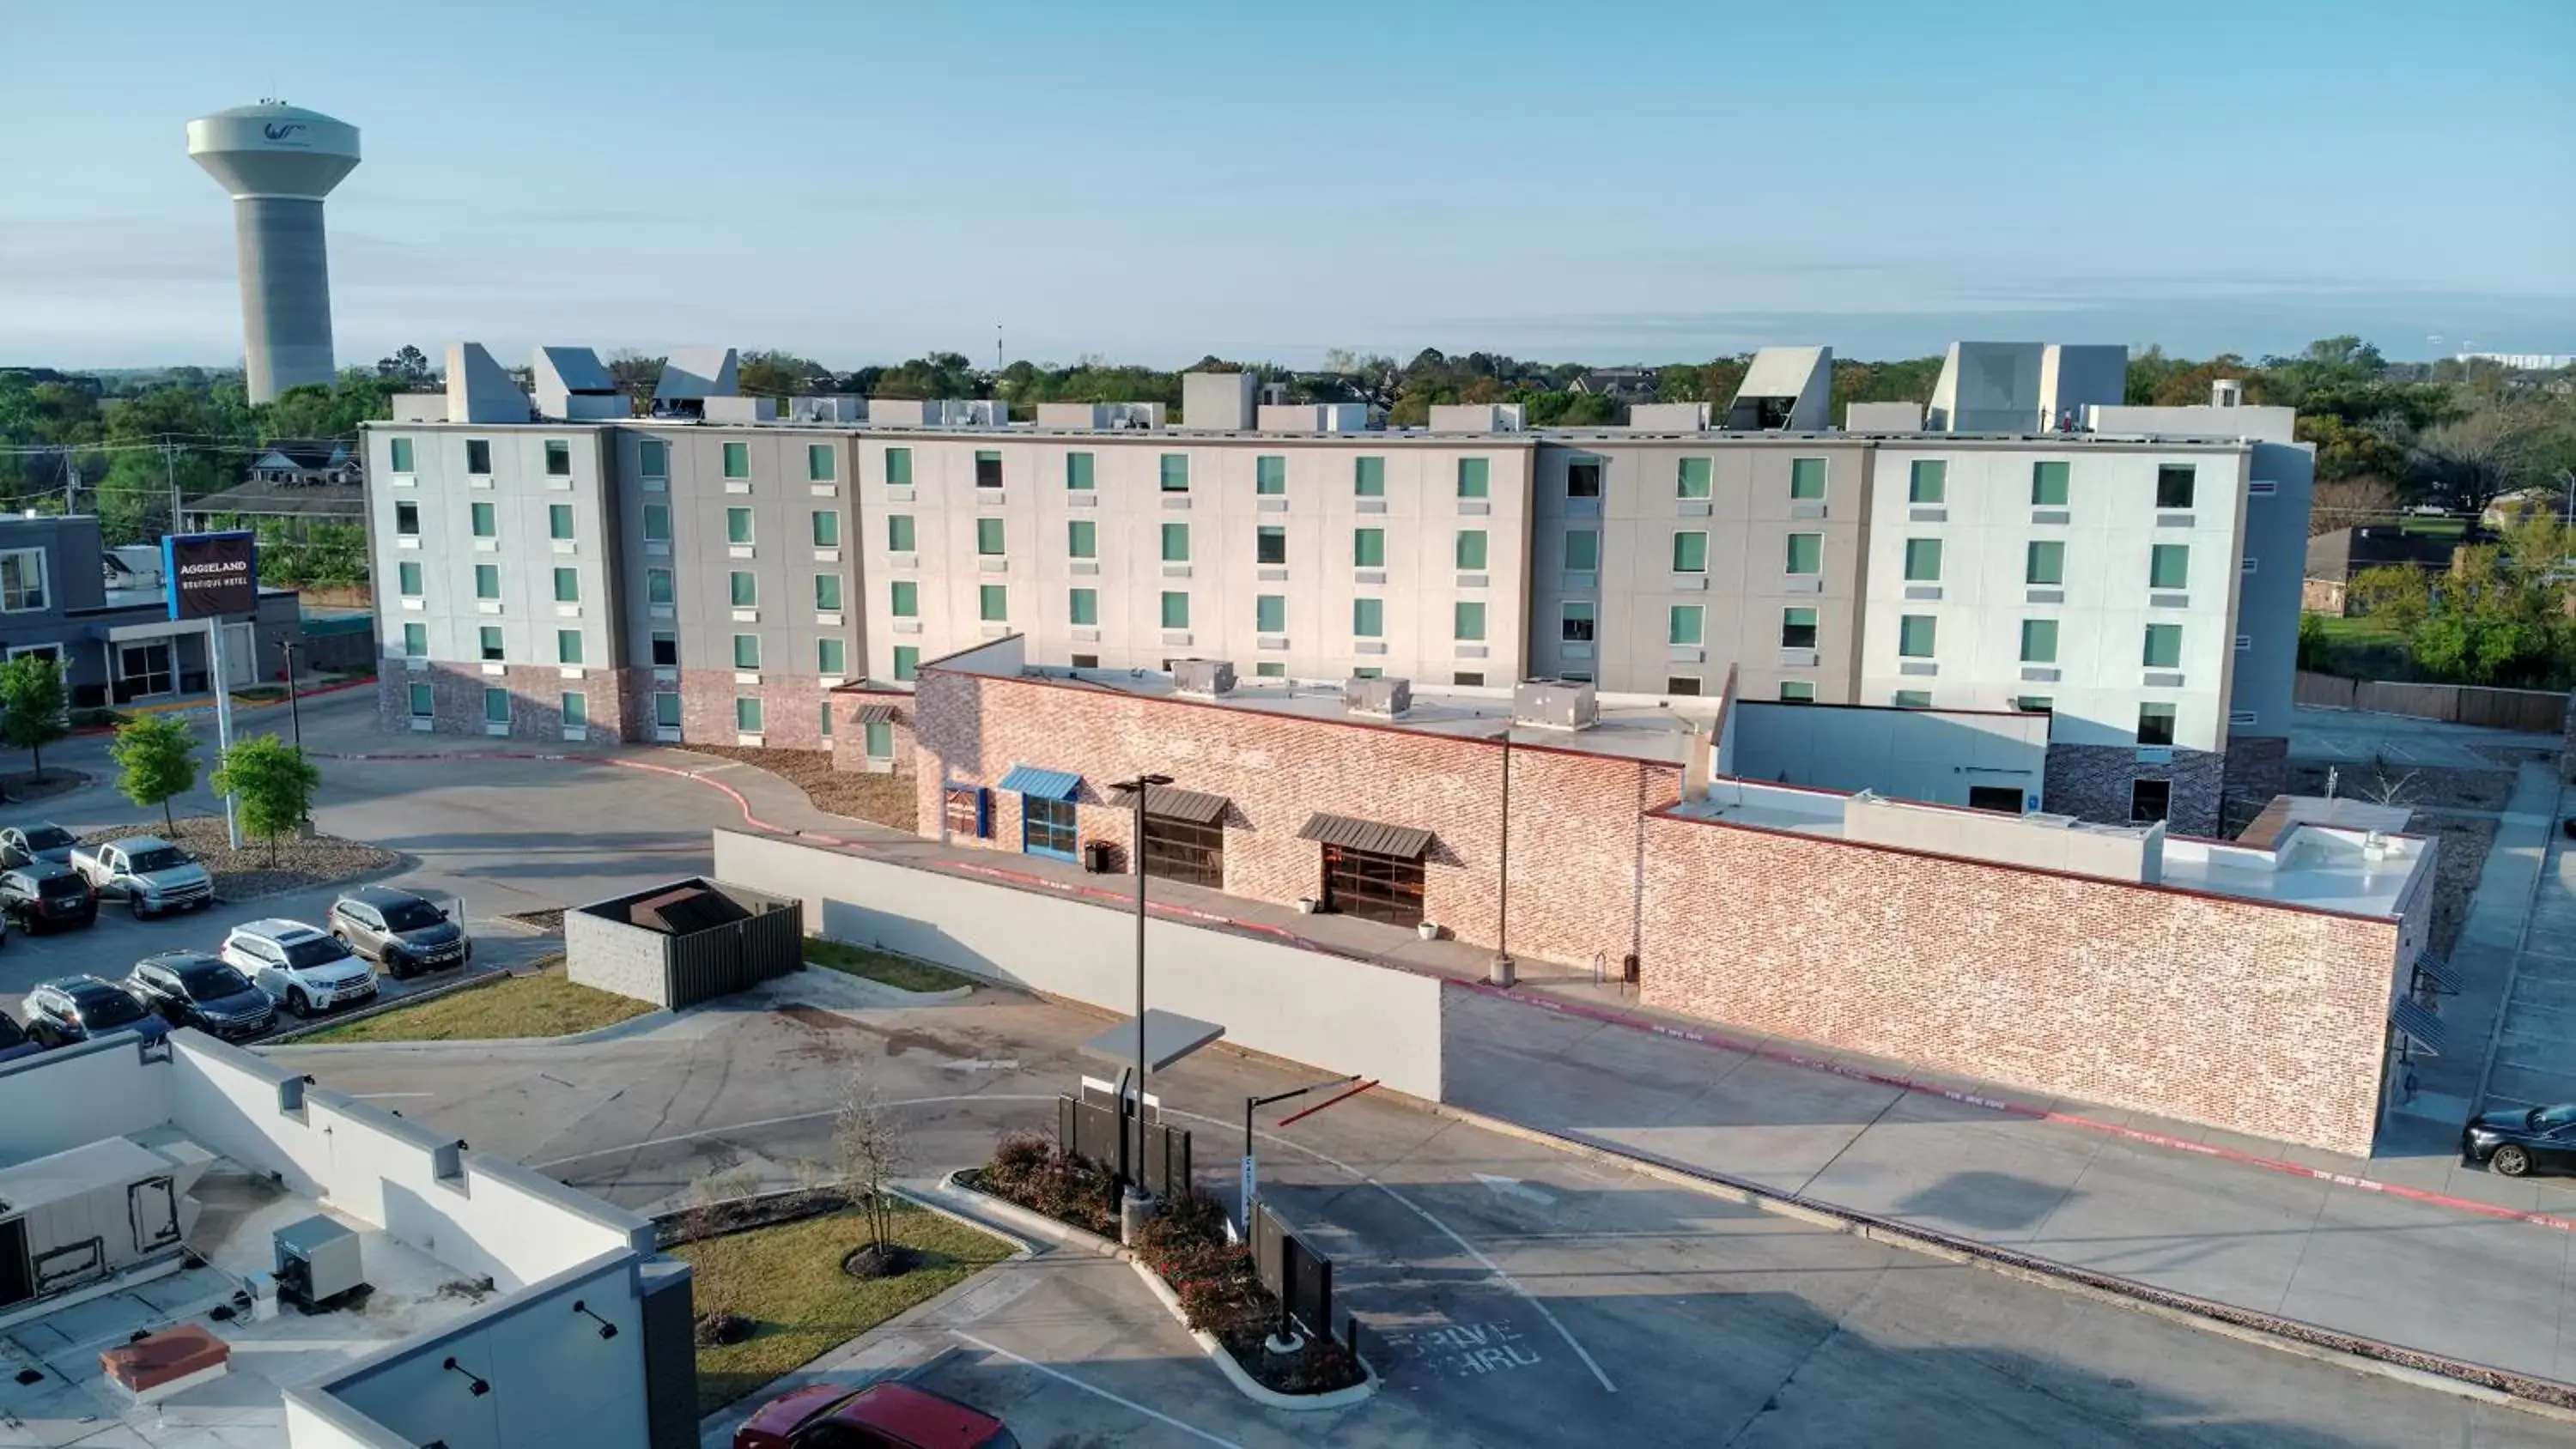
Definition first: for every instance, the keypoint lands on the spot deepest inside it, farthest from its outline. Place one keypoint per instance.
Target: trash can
(1099, 857)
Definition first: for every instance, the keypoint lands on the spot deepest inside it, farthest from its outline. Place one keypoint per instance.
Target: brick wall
(791, 708)
(849, 738)
(2258, 1019)
(2091, 782)
(536, 692)
(615, 956)
(2257, 767)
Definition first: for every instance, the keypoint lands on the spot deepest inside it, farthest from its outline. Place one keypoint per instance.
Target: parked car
(191, 988)
(2520, 1139)
(298, 966)
(147, 873)
(399, 931)
(27, 844)
(77, 1008)
(891, 1413)
(13, 1040)
(40, 898)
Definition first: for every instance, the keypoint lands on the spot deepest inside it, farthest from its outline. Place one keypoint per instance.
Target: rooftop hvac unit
(78, 1216)
(1553, 704)
(318, 1263)
(1205, 677)
(1379, 696)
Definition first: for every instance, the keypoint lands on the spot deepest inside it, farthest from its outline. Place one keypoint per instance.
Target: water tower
(279, 161)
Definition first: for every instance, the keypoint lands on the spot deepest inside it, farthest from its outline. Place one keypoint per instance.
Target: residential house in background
(2336, 556)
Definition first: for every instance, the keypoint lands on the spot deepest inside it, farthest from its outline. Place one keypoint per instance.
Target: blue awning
(2420, 1026)
(1045, 784)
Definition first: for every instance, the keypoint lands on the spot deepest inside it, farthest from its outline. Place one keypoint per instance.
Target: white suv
(298, 966)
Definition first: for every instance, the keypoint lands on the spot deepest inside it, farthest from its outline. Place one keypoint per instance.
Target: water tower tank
(279, 161)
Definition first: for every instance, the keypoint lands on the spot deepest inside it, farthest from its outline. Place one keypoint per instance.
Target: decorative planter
(1427, 931)
(1306, 905)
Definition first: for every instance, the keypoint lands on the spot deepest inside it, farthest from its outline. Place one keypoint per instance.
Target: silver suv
(399, 931)
(299, 967)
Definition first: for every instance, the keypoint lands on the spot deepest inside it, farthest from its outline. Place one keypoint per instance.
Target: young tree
(873, 1149)
(159, 757)
(32, 706)
(271, 785)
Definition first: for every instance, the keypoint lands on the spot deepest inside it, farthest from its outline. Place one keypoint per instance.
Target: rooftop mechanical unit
(1207, 678)
(318, 1264)
(1553, 704)
(79, 1216)
(1384, 696)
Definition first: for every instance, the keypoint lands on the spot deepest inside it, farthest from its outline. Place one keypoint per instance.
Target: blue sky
(1626, 182)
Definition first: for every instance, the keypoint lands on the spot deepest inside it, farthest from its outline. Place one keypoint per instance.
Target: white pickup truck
(146, 872)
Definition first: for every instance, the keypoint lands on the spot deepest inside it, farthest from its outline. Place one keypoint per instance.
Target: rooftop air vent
(1554, 704)
(1207, 678)
(1383, 696)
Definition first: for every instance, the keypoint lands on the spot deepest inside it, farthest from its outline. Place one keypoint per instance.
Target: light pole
(295, 712)
(1136, 855)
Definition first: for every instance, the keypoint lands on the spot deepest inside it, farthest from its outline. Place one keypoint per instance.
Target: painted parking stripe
(1060, 1376)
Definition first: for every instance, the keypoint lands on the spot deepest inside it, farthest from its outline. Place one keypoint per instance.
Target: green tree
(2312, 641)
(270, 784)
(32, 706)
(158, 754)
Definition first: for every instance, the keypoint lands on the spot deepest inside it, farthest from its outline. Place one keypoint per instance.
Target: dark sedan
(191, 988)
(2520, 1139)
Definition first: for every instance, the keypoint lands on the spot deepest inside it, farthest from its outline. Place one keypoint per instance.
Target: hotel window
(666, 649)
(2149, 801)
(408, 574)
(1176, 610)
(1582, 550)
(666, 710)
(1806, 553)
(1176, 543)
(486, 523)
(1688, 624)
(907, 662)
(988, 468)
(1923, 560)
(738, 525)
(1270, 613)
(1368, 548)
(575, 708)
(1270, 544)
(819, 464)
(2164, 646)
(2045, 564)
(744, 589)
(1928, 482)
(1583, 478)
(1797, 628)
(1474, 477)
(2048, 485)
(1269, 669)
(1084, 606)
(746, 651)
(746, 716)
(1797, 691)
(567, 646)
(1082, 539)
(424, 701)
(559, 520)
(1690, 553)
(1368, 478)
(2039, 641)
(1469, 622)
(407, 518)
(880, 740)
(2155, 724)
(831, 657)
(898, 533)
(487, 581)
(478, 457)
(827, 593)
(653, 458)
(1695, 477)
(1471, 550)
(827, 529)
(2169, 567)
(558, 458)
(1685, 685)
(1806, 479)
(487, 643)
(988, 537)
(416, 641)
(993, 603)
(1176, 472)
(1914, 635)
(399, 454)
(1576, 625)
(1270, 476)
(2035, 704)
(1913, 699)
(737, 460)
(1077, 472)
(904, 599)
(657, 523)
(898, 467)
(567, 586)
(2173, 485)
(1368, 618)
(496, 706)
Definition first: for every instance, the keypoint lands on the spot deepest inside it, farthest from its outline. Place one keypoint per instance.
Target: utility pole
(170, 474)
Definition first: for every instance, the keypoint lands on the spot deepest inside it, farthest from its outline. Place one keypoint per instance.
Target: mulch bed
(26, 787)
(546, 922)
(1186, 1247)
(885, 799)
(248, 873)
(739, 1215)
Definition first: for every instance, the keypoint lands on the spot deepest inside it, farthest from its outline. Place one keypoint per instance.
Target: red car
(880, 1416)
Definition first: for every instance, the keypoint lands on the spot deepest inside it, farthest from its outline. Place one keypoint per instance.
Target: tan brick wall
(849, 738)
(2257, 1019)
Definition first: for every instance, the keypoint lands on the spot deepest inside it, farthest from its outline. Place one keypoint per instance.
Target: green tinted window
(2164, 646)
(737, 460)
(1368, 617)
(1368, 548)
(1690, 553)
(1923, 560)
(1084, 606)
(738, 525)
(575, 707)
(409, 574)
(1471, 550)
(1930, 481)
(485, 524)
(1583, 550)
(2039, 641)
(2047, 563)
(988, 536)
(1368, 480)
(1176, 543)
(907, 661)
(905, 599)
(1269, 475)
(657, 522)
(487, 580)
(416, 640)
(1474, 475)
(1688, 624)
(1806, 479)
(2048, 485)
(1470, 621)
(1082, 539)
(1176, 610)
(819, 464)
(746, 716)
(827, 529)
(496, 706)
(745, 589)
(1176, 472)
(567, 586)
(653, 458)
(2170, 567)
(746, 651)
(830, 655)
(993, 603)
(1077, 470)
(1695, 477)
(559, 520)
(1270, 613)
(400, 448)
(880, 740)
(827, 593)
(898, 467)
(1914, 635)
(567, 646)
(898, 533)
(1806, 553)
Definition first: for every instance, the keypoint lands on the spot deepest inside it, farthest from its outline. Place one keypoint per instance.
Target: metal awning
(1197, 807)
(2419, 1024)
(1401, 841)
(2438, 971)
(1045, 784)
(1169, 1036)
(876, 714)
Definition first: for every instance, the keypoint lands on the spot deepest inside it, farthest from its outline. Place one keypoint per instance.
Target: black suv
(399, 931)
(76, 1008)
(191, 988)
(38, 898)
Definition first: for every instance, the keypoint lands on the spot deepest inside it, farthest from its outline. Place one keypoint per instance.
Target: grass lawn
(2365, 648)
(788, 1279)
(901, 972)
(541, 1003)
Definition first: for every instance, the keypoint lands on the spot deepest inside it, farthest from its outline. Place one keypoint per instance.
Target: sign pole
(223, 719)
